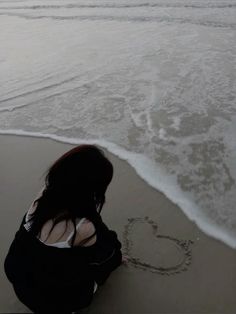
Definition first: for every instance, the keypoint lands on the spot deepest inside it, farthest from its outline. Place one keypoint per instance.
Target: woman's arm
(102, 269)
(104, 254)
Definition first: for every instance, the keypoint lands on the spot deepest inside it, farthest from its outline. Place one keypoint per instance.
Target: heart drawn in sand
(148, 250)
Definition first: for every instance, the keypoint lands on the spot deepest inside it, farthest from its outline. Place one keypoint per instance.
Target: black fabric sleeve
(102, 270)
(105, 255)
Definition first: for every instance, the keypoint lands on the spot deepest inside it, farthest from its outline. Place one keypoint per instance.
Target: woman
(63, 250)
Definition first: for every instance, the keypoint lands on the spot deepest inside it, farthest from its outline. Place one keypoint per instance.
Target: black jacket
(49, 279)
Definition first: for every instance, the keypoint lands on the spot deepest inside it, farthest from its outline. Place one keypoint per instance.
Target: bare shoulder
(86, 230)
(58, 233)
(62, 230)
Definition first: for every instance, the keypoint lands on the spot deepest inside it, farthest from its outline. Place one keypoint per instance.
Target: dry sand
(173, 267)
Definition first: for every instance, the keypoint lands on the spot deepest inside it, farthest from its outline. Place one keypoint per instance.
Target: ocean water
(152, 81)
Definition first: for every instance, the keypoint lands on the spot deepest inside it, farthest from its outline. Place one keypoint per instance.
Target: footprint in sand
(148, 250)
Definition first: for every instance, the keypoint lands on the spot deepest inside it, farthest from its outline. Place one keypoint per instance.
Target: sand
(173, 267)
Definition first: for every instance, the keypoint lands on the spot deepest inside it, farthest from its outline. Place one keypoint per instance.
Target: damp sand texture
(140, 215)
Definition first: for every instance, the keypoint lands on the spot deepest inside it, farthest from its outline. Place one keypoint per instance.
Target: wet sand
(172, 266)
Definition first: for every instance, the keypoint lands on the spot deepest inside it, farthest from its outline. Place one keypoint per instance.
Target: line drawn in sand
(164, 255)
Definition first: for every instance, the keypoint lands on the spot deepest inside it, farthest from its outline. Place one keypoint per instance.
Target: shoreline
(169, 256)
(146, 173)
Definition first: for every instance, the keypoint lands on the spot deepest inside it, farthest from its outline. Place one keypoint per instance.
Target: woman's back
(61, 234)
(53, 277)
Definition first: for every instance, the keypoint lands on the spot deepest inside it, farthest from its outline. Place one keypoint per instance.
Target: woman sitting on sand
(63, 250)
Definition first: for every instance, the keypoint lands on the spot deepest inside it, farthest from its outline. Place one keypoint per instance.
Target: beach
(172, 266)
(151, 81)
(153, 84)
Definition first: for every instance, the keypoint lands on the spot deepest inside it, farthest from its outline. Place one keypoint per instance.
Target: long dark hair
(75, 187)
